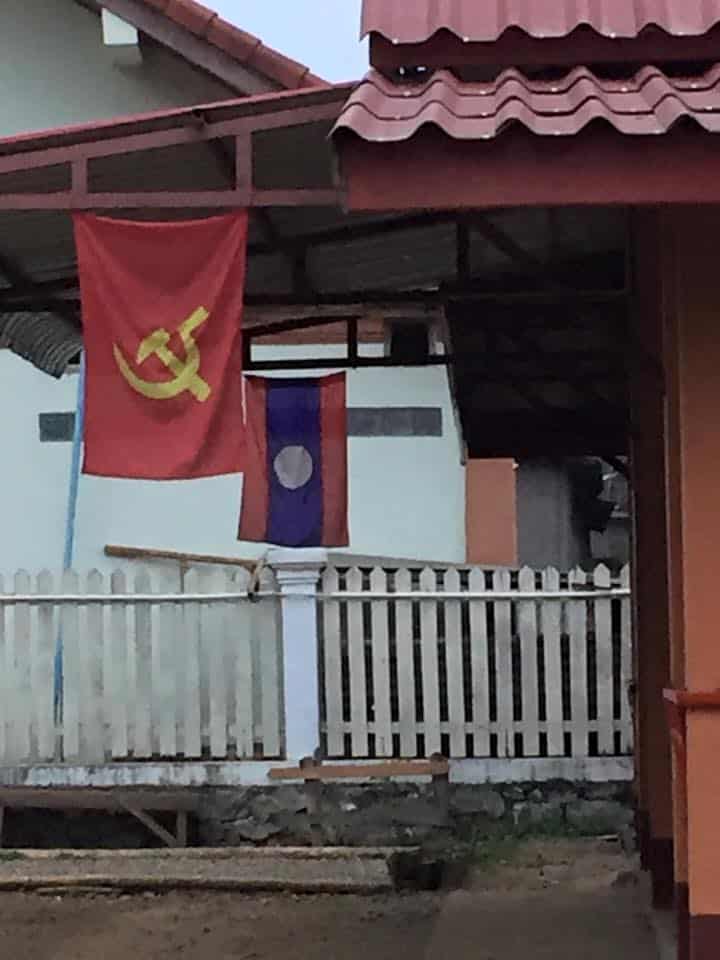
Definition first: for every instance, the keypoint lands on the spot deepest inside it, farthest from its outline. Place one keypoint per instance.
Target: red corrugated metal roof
(415, 21)
(242, 46)
(649, 103)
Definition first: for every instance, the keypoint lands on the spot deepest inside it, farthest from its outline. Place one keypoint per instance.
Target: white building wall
(55, 70)
(407, 494)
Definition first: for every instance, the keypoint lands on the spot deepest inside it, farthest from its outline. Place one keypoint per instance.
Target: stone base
(407, 814)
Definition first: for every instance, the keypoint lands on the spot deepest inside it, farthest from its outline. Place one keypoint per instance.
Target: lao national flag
(295, 485)
(162, 306)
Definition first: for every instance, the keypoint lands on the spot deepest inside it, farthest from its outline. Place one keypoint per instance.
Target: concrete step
(249, 869)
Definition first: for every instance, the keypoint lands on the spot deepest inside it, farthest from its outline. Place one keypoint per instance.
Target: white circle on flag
(293, 467)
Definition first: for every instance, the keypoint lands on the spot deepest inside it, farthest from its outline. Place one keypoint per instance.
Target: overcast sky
(320, 33)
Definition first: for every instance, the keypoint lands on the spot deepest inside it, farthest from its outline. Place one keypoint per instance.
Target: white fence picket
(381, 704)
(240, 651)
(91, 652)
(528, 634)
(119, 686)
(504, 685)
(604, 663)
(551, 620)
(215, 638)
(191, 695)
(43, 680)
(626, 668)
(454, 666)
(165, 673)
(143, 664)
(430, 665)
(333, 665)
(577, 628)
(405, 659)
(356, 663)
(480, 667)
(267, 633)
(71, 669)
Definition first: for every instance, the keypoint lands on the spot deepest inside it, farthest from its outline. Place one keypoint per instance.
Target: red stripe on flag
(333, 428)
(256, 486)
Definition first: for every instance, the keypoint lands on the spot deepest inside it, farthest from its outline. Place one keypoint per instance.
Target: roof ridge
(246, 48)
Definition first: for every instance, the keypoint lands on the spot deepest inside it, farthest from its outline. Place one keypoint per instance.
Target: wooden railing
(120, 667)
(475, 663)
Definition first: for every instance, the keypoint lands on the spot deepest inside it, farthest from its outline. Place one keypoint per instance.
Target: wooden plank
(152, 825)
(430, 666)
(143, 739)
(191, 726)
(92, 720)
(365, 771)
(551, 626)
(267, 624)
(626, 667)
(240, 625)
(165, 670)
(100, 798)
(604, 663)
(141, 553)
(503, 667)
(382, 714)
(332, 663)
(356, 661)
(528, 634)
(72, 676)
(405, 654)
(43, 676)
(454, 663)
(577, 625)
(214, 619)
(119, 688)
(479, 666)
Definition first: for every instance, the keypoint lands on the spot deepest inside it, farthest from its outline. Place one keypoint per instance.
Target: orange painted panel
(491, 513)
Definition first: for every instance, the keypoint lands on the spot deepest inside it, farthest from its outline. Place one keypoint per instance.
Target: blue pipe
(69, 550)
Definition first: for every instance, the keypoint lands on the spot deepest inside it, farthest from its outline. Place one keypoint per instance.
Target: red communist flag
(162, 306)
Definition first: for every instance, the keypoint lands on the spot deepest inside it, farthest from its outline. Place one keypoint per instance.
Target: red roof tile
(649, 103)
(243, 47)
(415, 21)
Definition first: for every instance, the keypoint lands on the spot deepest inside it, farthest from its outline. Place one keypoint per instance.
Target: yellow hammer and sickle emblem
(186, 372)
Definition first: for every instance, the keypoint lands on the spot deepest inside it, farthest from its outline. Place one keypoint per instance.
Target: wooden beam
(142, 553)
(171, 200)
(367, 771)
(151, 823)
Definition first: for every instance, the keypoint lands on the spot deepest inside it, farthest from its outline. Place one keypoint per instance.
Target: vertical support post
(298, 574)
(650, 561)
(694, 478)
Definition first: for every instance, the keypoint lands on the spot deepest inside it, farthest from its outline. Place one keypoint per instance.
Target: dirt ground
(565, 900)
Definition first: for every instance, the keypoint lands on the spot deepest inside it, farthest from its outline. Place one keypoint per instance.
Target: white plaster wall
(55, 71)
(407, 495)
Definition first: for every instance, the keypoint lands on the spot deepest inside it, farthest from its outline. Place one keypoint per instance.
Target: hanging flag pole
(69, 548)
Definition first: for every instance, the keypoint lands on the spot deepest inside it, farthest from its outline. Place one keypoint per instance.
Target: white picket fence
(145, 671)
(475, 663)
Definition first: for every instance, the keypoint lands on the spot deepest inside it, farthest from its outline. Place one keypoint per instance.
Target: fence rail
(475, 663)
(124, 667)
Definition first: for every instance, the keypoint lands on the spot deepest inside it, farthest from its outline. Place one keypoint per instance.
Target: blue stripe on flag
(294, 463)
